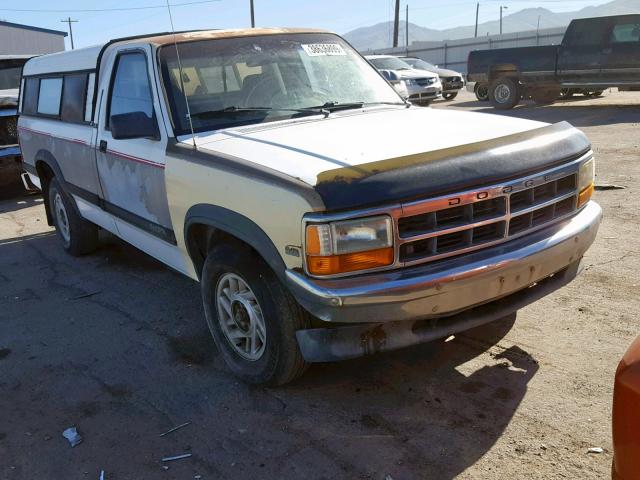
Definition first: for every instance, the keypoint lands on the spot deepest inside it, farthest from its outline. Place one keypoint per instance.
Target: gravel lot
(116, 344)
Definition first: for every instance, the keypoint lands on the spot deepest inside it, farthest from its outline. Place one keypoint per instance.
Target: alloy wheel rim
(240, 317)
(502, 93)
(61, 217)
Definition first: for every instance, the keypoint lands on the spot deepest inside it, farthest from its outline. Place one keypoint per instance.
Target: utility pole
(475, 35)
(406, 28)
(538, 31)
(253, 16)
(396, 24)
(501, 7)
(69, 21)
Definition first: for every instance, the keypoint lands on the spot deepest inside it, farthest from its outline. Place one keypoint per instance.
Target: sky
(95, 27)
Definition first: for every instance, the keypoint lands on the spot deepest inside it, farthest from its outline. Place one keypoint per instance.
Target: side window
(586, 33)
(49, 96)
(73, 97)
(626, 33)
(190, 80)
(244, 70)
(89, 101)
(30, 95)
(130, 90)
(219, 79)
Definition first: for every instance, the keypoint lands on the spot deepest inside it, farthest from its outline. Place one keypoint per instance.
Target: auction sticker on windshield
(321, 49)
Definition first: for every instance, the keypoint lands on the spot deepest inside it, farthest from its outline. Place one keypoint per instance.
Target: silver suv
(422, 87)
(452, 81)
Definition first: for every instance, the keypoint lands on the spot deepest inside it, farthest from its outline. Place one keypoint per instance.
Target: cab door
(131, 148)
(621, 55)
(580, 55)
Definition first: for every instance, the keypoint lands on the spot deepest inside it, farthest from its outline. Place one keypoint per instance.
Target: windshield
(10, 77)
(390, 63)
(256, 79)
(419, 64)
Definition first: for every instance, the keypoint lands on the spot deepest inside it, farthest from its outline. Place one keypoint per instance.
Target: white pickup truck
(281, 171)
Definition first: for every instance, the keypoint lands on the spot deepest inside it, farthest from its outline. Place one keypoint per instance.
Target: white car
(324, 217)
(422, 86)
(452, 81)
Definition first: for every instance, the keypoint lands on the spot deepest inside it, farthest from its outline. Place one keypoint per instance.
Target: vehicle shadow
(117, 344)
(18, 201)
(438, 412)
(575, 111)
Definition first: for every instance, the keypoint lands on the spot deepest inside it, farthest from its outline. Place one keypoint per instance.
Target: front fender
(238, 226)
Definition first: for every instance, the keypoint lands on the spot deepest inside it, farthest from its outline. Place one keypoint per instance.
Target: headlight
(410, 82)
(586, 175)
(349, 246)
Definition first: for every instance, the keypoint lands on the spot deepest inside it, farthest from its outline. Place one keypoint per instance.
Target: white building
(17, 39)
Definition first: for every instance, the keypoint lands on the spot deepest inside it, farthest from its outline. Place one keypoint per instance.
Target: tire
(272, 358)
(504, 93)
(482, 92)
(449, 95)
(545, 96)
(79, 237)
(566, 93)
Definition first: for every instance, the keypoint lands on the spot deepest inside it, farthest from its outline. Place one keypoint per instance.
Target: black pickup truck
(595, 53)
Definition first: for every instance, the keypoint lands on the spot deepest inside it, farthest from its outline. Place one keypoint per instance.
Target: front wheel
(481, 91)
(449, 95)
(252, 318)
(78, 236)
(504, 93)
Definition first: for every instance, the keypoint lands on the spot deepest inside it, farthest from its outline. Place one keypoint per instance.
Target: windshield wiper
(333, 106)
(234, 109)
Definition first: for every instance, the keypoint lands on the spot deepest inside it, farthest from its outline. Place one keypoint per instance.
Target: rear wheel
(79, 237)
(449, 95)
(251, 316)
(482, 92)
(504, 93)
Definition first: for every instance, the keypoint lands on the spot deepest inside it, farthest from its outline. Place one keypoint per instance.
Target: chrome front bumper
(449, 287)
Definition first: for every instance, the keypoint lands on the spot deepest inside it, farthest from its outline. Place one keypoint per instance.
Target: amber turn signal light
(349, 262)
(585, 194)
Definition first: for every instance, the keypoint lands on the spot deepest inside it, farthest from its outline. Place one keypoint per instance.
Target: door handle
(103, 146)
(607, 50)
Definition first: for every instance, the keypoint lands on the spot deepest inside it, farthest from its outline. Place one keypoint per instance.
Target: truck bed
(526, 60)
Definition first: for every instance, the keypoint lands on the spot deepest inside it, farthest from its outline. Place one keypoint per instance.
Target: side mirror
(133, 125)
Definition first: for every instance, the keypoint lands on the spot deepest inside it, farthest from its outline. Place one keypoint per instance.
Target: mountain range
(378, 36)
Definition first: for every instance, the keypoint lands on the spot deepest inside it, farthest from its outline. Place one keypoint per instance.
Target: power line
(123, 9)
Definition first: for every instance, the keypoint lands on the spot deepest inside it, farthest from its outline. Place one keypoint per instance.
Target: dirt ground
(116, 344)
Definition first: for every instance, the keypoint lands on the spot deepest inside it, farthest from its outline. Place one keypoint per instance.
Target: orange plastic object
(585, 194)
(626, 416)
(350, 262)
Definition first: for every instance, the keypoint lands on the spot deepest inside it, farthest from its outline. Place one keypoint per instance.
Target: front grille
(423, 82)
(8, 131)
(454, 225)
